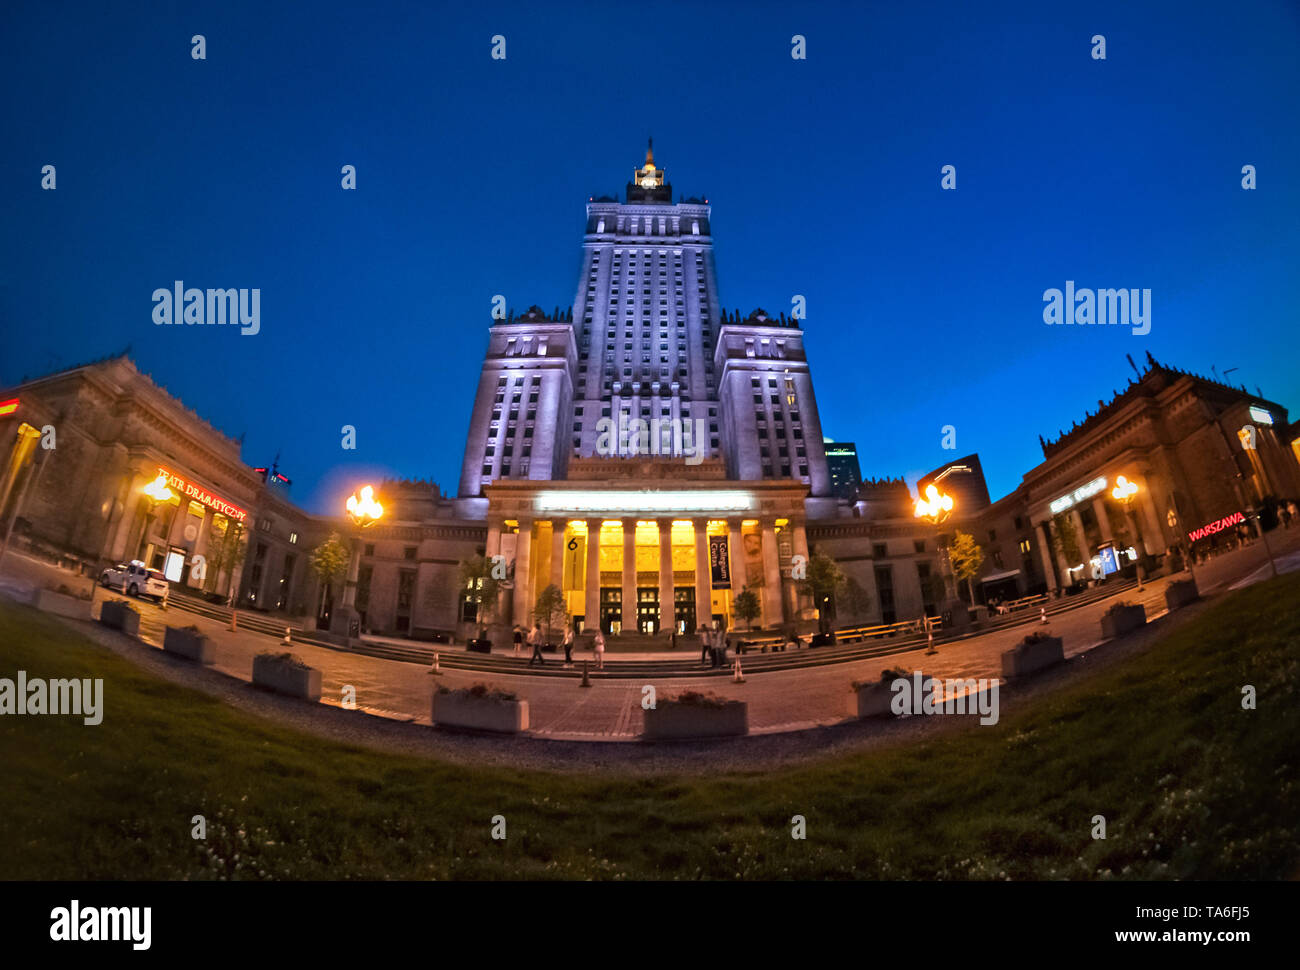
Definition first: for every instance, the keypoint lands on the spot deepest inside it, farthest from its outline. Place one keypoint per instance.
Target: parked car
(136, 579)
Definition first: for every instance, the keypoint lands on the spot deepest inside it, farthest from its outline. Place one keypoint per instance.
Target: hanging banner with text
(719, 563)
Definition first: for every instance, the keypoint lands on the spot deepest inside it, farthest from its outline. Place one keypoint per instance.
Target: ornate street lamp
(363, 511)
(935, 508)
(1124, 492)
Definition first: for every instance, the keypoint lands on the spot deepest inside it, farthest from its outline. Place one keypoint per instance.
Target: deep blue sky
(925, 307)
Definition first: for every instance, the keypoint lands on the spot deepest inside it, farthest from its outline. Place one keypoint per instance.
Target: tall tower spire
(650, 153)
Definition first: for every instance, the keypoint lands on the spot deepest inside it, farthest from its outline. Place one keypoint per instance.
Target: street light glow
(1124, 490)
(935, 506)
(158, 490)
(364, 510)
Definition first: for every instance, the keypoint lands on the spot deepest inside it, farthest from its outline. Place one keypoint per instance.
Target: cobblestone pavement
(610, 710)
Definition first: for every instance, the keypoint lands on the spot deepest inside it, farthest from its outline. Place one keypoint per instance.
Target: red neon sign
(1218, 525)
(200, 494)
(8, 407)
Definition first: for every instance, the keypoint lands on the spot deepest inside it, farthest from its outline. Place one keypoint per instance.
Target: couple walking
(713, 645)
(535, 640)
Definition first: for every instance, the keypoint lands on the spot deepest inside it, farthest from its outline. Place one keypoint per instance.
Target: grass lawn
(1191, 786)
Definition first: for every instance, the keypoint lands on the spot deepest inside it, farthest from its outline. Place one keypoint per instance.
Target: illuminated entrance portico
(669, 556)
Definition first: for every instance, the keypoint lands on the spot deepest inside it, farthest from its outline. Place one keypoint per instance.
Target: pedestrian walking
(706, 643)
(568, 646)
(599, 645)
(535, 640)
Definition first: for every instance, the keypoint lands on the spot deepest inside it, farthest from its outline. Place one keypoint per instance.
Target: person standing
(568, 646)
(535, 640)
(599, 645)
(706, 643)
(519, 639)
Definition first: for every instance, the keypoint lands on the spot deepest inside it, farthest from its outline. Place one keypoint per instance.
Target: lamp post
(156, 492)
(935, 508)
(363, 512)
(1124, 492)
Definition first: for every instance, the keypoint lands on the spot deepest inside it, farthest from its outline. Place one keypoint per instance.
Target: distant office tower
(845, 472)
(646, 341)
(963, 479)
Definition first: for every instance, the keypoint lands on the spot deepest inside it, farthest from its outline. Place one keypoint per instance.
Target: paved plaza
(610, 710)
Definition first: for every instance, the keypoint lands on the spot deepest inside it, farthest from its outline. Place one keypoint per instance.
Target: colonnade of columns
(535, 568)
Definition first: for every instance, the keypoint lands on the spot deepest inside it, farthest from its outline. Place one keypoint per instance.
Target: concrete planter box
(188, 644)
(117, 615)
(283, 677)
(1027, 658)
(61, 604)
(871, 700)
(1121, 620)
(672, 719)
(1179, 593)
(480, 646)
(464, 710)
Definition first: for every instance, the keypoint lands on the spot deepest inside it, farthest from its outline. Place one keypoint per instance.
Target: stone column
(1084, 550)
(1103, 520)
(493, 547)
(121, 530)
(736, 551)
(557, 554)
(1153, 537)
(592, 577)
(523, 605)
(703, 576)
(771, 597)
(799, 547)
(1045, 552)
(629, 574)
(667, 607)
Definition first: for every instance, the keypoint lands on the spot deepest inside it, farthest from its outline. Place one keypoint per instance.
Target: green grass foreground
(1191, 785)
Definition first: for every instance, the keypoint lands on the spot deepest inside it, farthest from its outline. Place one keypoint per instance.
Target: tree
(329, 563)
(551, 610)
(746, 606)
(857, 601)
(1064, 538)
(225, 555)
(480, 585)
(823, 582)
(966, 557)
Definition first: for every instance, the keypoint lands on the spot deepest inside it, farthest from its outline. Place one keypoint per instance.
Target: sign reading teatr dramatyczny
(190, 490)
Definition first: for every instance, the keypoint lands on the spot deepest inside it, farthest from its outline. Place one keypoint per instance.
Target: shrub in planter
(1121, 618)
(480, 645)
(480, 708)
(1181, 592)
(692, 714)
(286, 673)
(189, 642)
(871, 698)
(62, 602)
(1034, 652)
(120, 615)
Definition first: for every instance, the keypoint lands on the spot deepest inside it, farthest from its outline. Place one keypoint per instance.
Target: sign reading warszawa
(1216, 526)
(199, 494)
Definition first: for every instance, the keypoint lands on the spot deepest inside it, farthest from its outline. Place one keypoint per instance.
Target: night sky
(924, 306)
